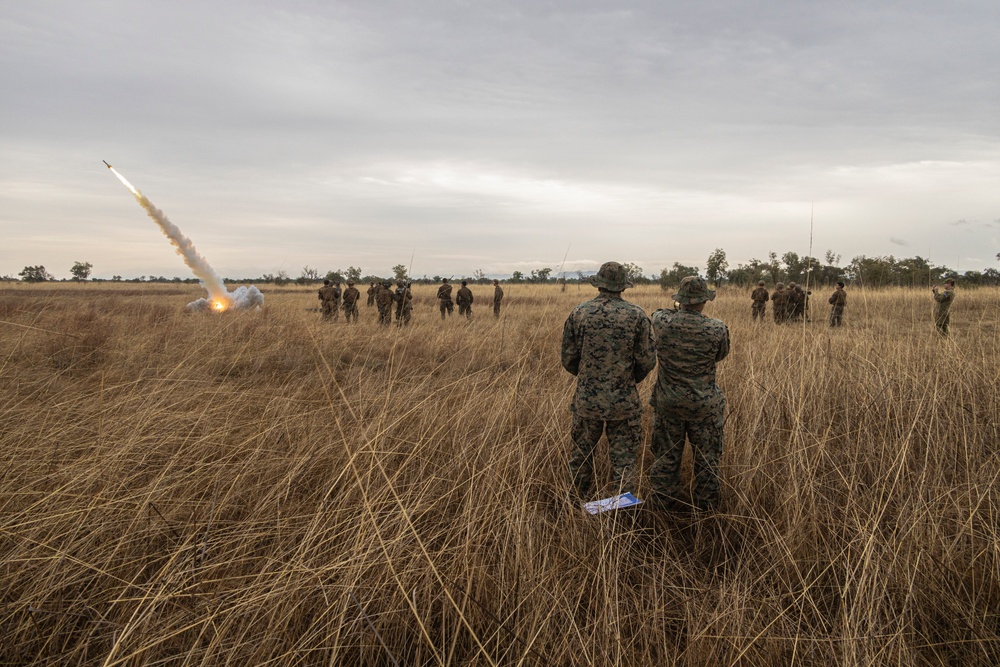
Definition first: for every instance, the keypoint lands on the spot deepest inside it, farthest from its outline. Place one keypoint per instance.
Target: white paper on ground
(612, 503)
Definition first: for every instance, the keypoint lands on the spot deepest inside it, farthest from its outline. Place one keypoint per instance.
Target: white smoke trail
(219, 298)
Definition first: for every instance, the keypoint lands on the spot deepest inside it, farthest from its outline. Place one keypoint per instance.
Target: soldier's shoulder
(661, 313)
(632, 308)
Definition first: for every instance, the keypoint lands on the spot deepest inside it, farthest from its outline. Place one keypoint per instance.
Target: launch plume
(219, 298)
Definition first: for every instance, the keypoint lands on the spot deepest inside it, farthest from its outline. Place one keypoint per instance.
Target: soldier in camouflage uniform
(372, 291)
(404, 306)
(464, 300)
(329, 297)
(608, 345)
(351, 298)
(838, 301)
(497, 297)
(686, 400)
(760, 297)
(444, 298)
(384, 300)
(942, 306)
(793, 303)
(779, 303)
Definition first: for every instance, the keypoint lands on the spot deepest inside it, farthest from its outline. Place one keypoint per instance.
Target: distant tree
(716, 265)
(35, 274)
(81, 270)
(335, 277)
(282, 277)
(674, 276)
(399, 272)
(517, 277)
(540, 275)
(480, 277)
(116, 279)
(794, 267)
(634, 273)
(353, 273)
(308, 275)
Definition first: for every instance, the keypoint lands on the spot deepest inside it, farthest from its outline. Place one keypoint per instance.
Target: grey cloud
(896, 241)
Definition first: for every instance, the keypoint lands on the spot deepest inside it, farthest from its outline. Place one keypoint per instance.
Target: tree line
(876, 271)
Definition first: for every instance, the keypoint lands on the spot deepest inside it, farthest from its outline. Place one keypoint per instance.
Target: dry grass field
(267, 488)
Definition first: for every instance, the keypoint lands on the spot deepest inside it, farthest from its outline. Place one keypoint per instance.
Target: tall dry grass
(268, 488)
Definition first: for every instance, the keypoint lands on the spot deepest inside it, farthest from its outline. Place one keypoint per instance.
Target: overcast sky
(496, 135)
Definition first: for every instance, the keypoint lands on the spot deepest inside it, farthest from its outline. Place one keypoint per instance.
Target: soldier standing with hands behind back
(608, 345)
(838, 301)
(497, 297)
(760, 297)
(351, 297)
(464, 300)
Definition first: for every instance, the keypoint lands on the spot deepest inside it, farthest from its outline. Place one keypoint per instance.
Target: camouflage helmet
(760, 283)
(693, 290)
(612, 276)
(779, 285)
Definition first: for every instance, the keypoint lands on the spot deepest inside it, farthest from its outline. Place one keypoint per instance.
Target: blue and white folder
(612, 503)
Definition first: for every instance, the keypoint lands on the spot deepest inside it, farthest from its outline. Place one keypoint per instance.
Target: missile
(106, 162)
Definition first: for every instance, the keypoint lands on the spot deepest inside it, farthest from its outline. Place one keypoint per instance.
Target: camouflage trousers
(941, 322)
(496, 309)
(837, 316)
(385, 315)
(351, 311)
(465, 309)
(758, 309)
(403, 316)
(705, 435)
(447, 307)
(624, 441)
(330, 311)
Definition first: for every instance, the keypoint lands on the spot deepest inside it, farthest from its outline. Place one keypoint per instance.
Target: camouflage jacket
(838, 299)
(688, 346)
(329, 293)
(497, 294)
(464, 296)
(444, 292)
(759, 295)
(351, 296)
(944, 300)
(608, 345)
(384, 298)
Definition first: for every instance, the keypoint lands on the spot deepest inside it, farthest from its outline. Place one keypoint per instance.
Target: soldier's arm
(570, 347)
(644, 350)
(724, 345)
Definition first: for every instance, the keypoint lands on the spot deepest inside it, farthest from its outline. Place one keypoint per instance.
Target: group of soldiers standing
(792, 304)
(386, 300)
(789, 304)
